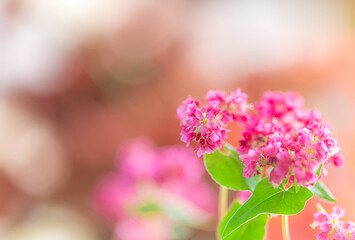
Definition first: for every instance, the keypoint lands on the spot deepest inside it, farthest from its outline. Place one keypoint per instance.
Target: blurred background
(79, 78)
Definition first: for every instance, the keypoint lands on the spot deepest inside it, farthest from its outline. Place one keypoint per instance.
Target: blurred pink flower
(337, 159)
(138, 159)
(138, 229)
(243, 196)
(146, 183)
(331, 225)
(112, 194)
(178, 164)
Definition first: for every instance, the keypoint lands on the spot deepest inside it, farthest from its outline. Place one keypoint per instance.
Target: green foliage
(226, 169)
(320, 190)
(148, 207)
(267, 199)
(254, 229)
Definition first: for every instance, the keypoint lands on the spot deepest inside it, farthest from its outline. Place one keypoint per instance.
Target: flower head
(148, 185)
(206, 125)
(331, 225)
(279, 135)
(291, 140)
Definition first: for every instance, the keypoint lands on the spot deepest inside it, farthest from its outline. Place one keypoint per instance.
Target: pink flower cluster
(206, 124)
(286, 139)
(280, 136)
(330, 225)
(149, 186)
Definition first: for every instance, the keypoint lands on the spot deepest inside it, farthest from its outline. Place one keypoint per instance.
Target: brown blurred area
(78, 78)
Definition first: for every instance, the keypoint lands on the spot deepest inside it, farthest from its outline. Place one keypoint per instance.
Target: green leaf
(267, 199)
(148, 207)
(227, 170)
(319, 170)
(254, 229)
(320, 190)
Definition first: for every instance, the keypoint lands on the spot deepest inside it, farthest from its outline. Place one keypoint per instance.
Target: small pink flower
(273, 147)
(278, 104)
(250, 160)
(238, 97)
(322, 236)
(264, 128)
(233, 106)
(337, 159)
(332, 226)
(216, 96)
(282, 168)
(247, 138)
(338, 212)
(305, 173)
(206, 125)
(304, 137)
(180, 112)
(319, 217)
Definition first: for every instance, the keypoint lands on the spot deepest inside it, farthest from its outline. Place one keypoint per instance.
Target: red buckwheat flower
(289, 139)
(206, 125)
(280, 136)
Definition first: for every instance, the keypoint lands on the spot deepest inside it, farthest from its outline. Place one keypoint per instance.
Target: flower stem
(285, 230)
(223, 202)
